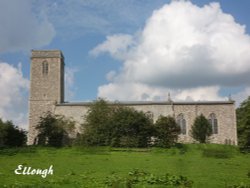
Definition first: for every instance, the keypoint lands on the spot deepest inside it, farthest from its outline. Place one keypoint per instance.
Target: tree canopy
(201, 129)
(116, 125)
(11, 135)
(243, 123)
(54, 130)
(167, 131)
(97, 124)
(130, 128)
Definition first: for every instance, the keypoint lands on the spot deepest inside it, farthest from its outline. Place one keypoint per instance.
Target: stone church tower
(46, 86)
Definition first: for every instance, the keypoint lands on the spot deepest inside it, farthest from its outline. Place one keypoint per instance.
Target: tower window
(45, 68)
(214, 123)
(182, 123)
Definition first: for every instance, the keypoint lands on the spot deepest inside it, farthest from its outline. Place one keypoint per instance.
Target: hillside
(205, 165)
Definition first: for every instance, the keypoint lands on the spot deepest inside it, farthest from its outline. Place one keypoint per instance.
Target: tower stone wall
(46, 86)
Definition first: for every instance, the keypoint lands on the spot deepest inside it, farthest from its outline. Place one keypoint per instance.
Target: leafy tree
(130, 128)
(3, 133)
(97, 124)
(54, 130)
(201, 129)
(243, 123)
(11, 136)
(115, 125)
(167, 131)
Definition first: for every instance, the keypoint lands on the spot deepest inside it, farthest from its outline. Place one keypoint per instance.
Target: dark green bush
(166, 131)
(243, 125)
(201, 129)
(11, 135)
(54, 130)
(116, 126)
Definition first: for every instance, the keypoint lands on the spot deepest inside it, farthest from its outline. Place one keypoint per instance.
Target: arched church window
(214, 123)
(182, 123)
(45, 68)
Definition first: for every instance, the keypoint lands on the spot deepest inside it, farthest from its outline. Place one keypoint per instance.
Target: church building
(47, 94)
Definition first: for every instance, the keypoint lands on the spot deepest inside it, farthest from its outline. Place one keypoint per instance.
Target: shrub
(115, 125)
(243, 124)
(201, 129)
(54, 130)
(166, 131)
(11, 136)
(97, 125)
(130, 128)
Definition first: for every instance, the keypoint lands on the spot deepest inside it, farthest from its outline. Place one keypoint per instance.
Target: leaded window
(214, 123)
(182, 123)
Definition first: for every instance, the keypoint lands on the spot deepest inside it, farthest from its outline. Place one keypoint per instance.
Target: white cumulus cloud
(116, 45)
(21, 28)
(189, 50)
(139, 91)
(14, 95)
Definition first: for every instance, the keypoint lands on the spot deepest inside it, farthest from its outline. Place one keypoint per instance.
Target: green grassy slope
(207, 166)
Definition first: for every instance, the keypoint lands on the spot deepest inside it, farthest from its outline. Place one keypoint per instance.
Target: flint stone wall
(224, 111)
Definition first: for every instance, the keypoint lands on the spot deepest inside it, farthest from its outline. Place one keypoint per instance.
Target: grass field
(207, 166)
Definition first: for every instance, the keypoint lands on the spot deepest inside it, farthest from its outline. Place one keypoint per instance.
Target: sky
(197, 50)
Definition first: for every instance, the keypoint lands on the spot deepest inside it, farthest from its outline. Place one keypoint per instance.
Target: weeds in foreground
(138, 177)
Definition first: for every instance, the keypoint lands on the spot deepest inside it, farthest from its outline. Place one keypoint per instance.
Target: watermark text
(24, 170)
